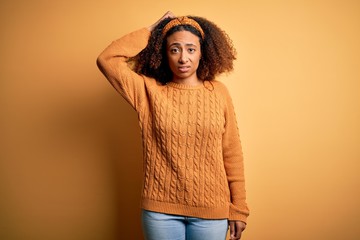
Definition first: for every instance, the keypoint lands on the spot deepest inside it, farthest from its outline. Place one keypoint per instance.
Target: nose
(183, 58)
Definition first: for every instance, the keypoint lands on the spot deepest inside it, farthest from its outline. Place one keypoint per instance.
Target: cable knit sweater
(193, 162)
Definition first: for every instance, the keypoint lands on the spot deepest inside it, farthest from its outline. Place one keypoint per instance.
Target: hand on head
(168, 14)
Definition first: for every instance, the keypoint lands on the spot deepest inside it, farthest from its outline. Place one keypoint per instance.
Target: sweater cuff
(235, 214)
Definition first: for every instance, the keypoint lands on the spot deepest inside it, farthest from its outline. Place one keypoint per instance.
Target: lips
(184, 69)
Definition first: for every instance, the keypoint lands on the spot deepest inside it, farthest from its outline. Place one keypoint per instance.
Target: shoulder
(220, 87)
(221, 90)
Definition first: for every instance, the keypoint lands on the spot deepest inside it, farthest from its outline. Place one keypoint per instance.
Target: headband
(182, 21)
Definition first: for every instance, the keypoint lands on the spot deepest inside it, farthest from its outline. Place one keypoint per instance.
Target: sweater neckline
(185, 86)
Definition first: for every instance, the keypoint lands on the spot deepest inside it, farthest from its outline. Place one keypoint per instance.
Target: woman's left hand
(236, 228)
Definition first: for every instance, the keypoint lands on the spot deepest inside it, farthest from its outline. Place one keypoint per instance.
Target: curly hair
(217, 52)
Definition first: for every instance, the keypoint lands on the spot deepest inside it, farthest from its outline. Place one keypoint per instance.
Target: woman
(193, 178)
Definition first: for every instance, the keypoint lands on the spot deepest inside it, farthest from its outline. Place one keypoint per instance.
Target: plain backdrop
(70, 163)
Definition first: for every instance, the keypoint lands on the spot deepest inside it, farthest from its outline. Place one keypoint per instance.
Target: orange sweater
(193, 162)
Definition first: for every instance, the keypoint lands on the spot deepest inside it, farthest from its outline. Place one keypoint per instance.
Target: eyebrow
(187, 44)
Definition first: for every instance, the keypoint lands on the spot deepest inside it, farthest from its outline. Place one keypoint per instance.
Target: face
(183, 53)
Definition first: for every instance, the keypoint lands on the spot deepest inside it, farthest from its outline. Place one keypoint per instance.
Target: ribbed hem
(238, 215)
(221, 212)
(185, 86)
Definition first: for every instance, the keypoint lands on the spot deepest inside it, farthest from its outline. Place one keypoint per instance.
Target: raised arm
(113, 64)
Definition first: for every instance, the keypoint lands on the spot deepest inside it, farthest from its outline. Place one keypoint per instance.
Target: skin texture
(183, 53)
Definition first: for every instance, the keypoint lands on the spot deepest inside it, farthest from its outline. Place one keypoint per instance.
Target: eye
(174, 50)
(191, 50)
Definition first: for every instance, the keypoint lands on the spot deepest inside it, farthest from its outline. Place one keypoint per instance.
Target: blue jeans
(159, 226)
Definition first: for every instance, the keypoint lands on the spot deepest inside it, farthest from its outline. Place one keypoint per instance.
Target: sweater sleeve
(233, 162)
(113, 64)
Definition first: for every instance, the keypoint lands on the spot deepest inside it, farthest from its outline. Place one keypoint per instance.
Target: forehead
(183, 37)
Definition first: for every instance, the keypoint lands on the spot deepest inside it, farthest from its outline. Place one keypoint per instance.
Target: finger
(238, 230)
(232, 229)
(239, 227)
(168, 14)
(238, 234)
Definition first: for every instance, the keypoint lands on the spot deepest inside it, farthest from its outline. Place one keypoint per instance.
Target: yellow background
(70, 145)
